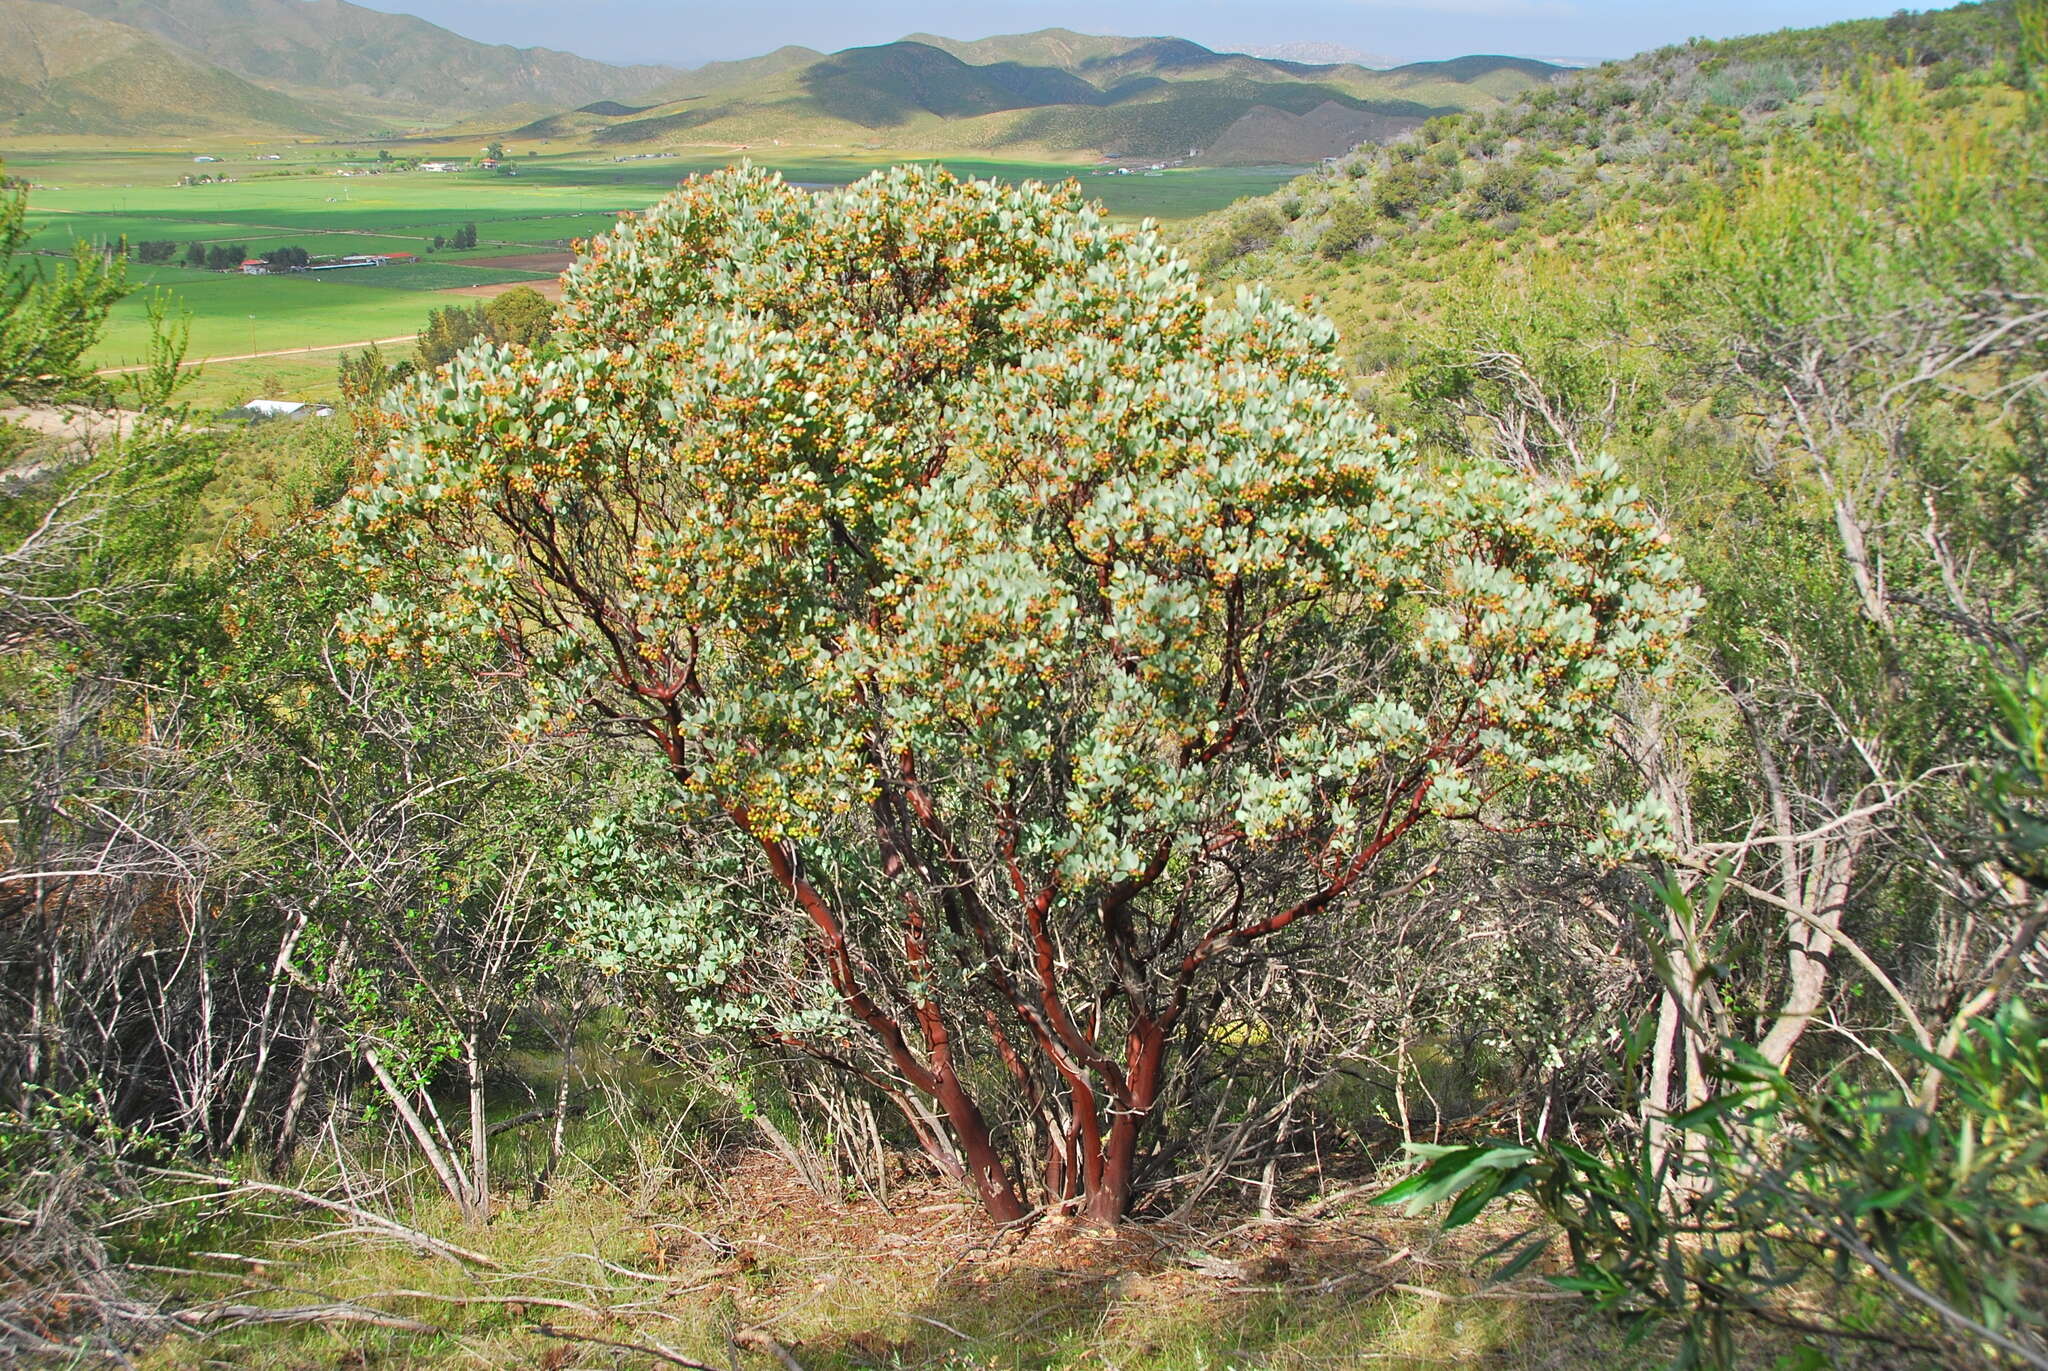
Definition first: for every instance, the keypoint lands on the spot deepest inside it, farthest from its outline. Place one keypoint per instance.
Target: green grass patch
(234, 314)
(101, 195)
(419, 276)
(223, 385)
(56, 232)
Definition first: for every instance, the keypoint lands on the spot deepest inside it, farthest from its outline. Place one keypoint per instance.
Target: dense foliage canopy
(1051, 633)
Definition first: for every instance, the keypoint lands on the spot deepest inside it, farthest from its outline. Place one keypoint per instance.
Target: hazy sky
(1579, 30)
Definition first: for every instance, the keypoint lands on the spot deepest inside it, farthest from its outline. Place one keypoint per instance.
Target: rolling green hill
(1050, 92)
(327, 49)
(1500, 73)
(716, 76)
(882, 86)
(104, 67)
(1045, 47)
(1585, 173)
(65, 72)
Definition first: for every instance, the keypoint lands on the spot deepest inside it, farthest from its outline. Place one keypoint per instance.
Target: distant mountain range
(328, 67)
(62, 71)
(1319, 52)
(1054, 91)
(261, 66)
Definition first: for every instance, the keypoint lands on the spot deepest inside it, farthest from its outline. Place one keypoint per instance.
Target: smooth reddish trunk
(1109, 1198)
(1112, 1196)
(1097, 1162)
(985, 1169)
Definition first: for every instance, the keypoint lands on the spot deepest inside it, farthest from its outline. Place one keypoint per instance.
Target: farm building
(288, 409)
(365, 259)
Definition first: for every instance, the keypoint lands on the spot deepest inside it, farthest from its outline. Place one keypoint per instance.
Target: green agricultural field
(232, 314)
(422, 276)
(305, 376)
(104, 196)
(495, 236)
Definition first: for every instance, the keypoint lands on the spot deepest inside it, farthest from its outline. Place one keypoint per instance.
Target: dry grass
(687, 1259)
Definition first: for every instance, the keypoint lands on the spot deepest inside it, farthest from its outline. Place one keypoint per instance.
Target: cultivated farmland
(524, 222)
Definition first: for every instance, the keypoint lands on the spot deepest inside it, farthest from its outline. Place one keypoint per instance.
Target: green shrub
(1505, 188)
(1351, 223)
(1257, 226)
(1941, 1216)
(1405, 189)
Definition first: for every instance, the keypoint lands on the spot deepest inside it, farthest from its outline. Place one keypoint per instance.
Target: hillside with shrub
(916, 776)
(1792, 285)
(1594, 164)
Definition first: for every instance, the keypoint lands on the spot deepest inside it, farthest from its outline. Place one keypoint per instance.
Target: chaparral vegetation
(1027, 639)
(1448, 765)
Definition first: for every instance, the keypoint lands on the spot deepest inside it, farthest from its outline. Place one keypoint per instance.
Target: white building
(287, 409)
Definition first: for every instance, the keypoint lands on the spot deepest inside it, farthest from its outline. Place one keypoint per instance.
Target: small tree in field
(450, 330)
(521, 315)
(1026, 640)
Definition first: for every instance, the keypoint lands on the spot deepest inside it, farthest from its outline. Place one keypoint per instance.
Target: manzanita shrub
(1025, 638)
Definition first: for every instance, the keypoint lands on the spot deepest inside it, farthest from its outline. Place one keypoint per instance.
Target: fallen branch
(533, 1116)
(412, 1236)
(758, 1340)
(543, 1301)
(942, 1327)
(1332, 1200)
(655, 1350)
(239, 1315)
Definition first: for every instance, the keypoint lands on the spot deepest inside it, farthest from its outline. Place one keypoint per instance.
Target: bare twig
(424, 1241)
(649, 1349)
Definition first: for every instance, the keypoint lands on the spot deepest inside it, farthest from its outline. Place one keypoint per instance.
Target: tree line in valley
(212, 256)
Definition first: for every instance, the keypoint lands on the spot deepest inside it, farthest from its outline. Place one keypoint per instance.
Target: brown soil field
(551, 289)
(525, 261)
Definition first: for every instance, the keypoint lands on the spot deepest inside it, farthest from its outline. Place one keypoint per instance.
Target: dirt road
(74, 423)
(280, 352)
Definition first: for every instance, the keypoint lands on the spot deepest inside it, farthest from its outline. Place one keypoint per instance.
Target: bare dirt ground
(525, 261)
(923, 1282)
(551, 289)
(73, 423)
